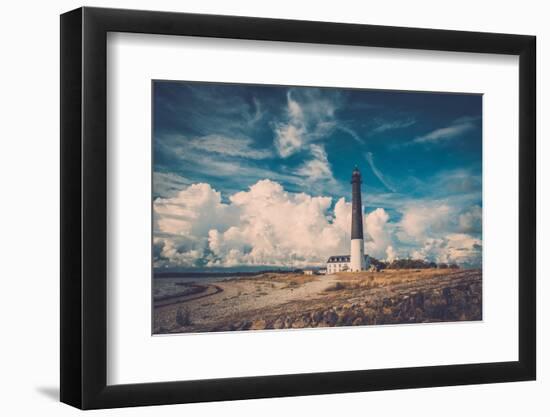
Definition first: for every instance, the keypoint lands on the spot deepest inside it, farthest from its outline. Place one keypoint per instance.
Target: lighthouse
(357, 254)
(357, 260)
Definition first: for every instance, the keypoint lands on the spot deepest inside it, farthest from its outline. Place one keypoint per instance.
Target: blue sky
(416, 151)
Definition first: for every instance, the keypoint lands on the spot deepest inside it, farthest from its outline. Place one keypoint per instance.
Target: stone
(298, 324)
(418, 300)
(330, 317)
(316, 316)
(357, 321)
(258, 325)
(279, 324)
(342, 319)
(447, 295)
(183, 317)
(245, 325)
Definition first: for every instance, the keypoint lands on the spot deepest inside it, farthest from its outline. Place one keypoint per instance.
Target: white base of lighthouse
(357, 258)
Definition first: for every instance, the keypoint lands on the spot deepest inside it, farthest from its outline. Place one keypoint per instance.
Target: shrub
(378, 264)
(335, 287)
(183, 317)
(410, 264)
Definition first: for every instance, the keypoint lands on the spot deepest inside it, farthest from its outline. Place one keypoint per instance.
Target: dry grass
(291, 284)
(295, 278)
(368, 280)
(337, 286)
(366, 283)
(271, 280)
(395, 275)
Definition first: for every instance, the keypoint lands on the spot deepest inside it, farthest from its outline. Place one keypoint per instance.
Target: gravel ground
(274, 301)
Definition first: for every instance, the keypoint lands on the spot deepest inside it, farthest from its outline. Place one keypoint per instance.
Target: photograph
(268, 209)
(291, 207)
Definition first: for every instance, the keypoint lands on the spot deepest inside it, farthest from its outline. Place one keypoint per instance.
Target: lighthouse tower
(357, 254)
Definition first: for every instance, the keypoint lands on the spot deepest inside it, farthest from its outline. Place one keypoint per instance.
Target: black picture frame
(84, 207)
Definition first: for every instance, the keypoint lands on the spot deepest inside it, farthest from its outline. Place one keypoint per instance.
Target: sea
(174, 286)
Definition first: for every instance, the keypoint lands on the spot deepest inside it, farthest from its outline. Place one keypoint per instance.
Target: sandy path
(251, 294)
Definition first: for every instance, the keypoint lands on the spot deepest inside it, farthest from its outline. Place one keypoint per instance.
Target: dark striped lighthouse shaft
(356, 206)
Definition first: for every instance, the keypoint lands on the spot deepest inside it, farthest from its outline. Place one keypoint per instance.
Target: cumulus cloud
(421, 221)
(391, 255)
(193, 211)
(379, 233)
(276, 228)
(266, 225)
(457, 248)
(470, 220)
(181, 224)
(441, 233)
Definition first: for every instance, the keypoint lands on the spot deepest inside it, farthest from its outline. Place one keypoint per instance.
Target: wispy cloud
(230, 146)
(377, 173)
(290, 136)
(395, 124)
(318, 168)
(309, 118)
(457, 128)
(227, 114)
(258, 113)
(458, 181)
(351, 132)
(382, 126)
(226, 164)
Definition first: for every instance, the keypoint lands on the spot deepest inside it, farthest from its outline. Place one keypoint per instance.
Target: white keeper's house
(342, 263)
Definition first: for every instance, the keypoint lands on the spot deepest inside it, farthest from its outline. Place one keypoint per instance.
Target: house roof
(338, 258)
